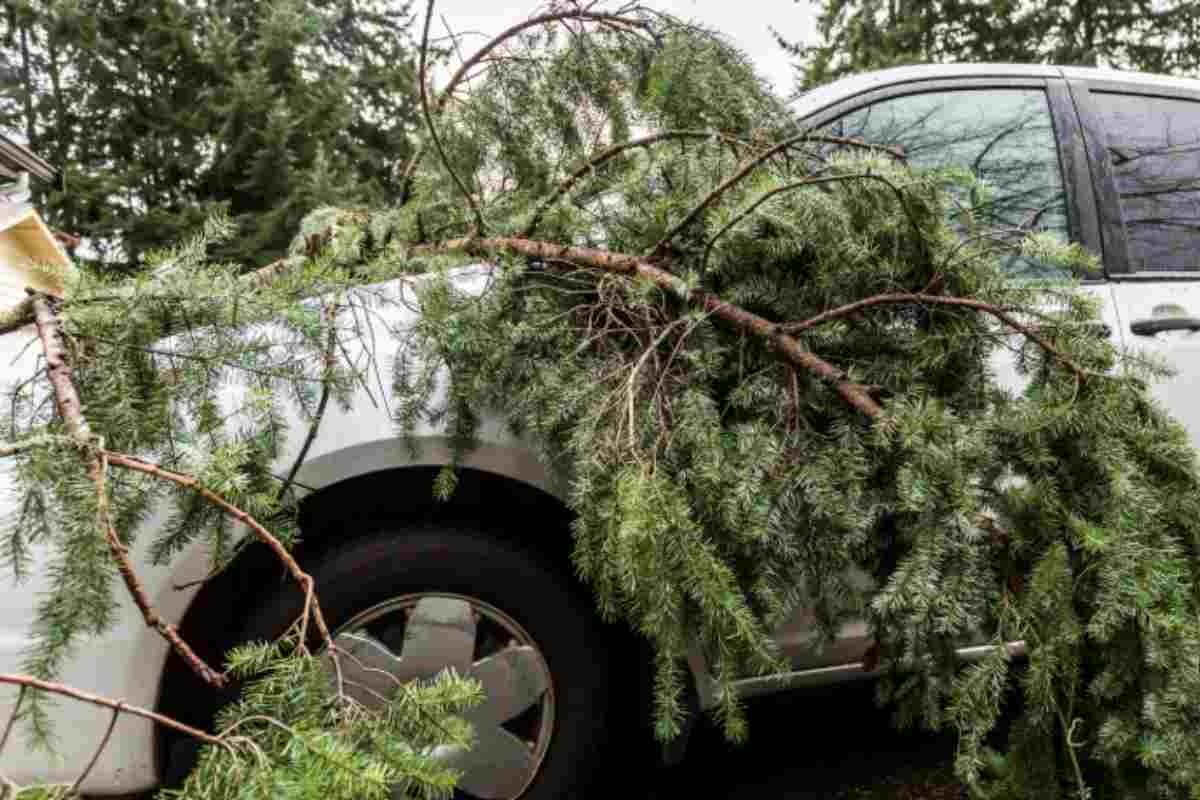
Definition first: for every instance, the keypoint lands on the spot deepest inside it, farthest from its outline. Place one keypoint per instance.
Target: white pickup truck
(1107, 159)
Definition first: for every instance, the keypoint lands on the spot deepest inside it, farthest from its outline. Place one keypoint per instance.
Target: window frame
(1073, 162)
(1108, 200)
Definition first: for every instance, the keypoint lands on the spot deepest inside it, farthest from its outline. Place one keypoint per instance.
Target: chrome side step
(829, 676)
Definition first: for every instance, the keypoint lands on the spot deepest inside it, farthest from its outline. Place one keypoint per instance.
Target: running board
(843, 673)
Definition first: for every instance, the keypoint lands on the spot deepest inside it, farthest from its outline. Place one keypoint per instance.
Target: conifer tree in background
(860, 35)
(758, 351)
(160, 112)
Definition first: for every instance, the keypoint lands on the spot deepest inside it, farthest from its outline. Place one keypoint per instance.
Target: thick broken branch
(856, 395)
(16, 317)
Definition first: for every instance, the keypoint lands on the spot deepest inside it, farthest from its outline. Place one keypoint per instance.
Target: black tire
(557, 615)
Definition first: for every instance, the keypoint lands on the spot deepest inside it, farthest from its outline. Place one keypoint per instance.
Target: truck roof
(817, 99)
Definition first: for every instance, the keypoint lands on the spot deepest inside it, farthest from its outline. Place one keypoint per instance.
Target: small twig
(237, 514)
(433, 134)
(608, 154)
(46, 440)
(630, 385)
(745, 170)
(326, 377)
(119, 705)
(307, 586)
(12, 719)
(112, 723)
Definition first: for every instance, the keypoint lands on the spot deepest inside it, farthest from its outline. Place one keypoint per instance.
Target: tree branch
(532, 22)
(330, 361)
(70, 410)
(47, 440)
(261, 533)
(433, 134)
(749, 167)
(28, 681)
(856, 395)
(112, 723)
(931, 299)
(608, 154)
(787, 187)
(16, 317)
(12, 719)
(813, 181)
(461, 73)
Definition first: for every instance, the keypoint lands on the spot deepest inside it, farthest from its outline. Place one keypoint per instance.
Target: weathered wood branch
(261, 533)
(70, 409)
(28, 681)
(16, 317)
(856, 395)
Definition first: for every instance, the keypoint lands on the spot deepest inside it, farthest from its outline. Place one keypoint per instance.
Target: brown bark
(117, 705)
(933, 299)
(791, 348)
(261, 533)
(69, 409)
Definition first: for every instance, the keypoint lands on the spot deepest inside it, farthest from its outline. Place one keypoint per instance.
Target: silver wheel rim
(416, 636)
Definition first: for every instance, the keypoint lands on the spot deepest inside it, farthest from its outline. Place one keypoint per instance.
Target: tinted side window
(1154, 149)
(1005, 137)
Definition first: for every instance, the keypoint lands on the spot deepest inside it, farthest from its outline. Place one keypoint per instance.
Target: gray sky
(745, 22)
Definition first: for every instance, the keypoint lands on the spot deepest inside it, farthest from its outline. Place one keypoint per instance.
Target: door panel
(1175, 305)
(1149, 149)
(1025, 144)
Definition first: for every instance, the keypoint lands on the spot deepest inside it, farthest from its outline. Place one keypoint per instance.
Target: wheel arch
(503, 490)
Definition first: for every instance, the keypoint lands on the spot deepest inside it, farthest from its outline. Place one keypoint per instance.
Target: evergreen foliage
(328, 751)
(159, 113)
(859, 35)
(757, 352)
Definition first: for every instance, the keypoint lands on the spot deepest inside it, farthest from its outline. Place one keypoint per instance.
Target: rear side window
(1153, 146)
(1005, 137)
